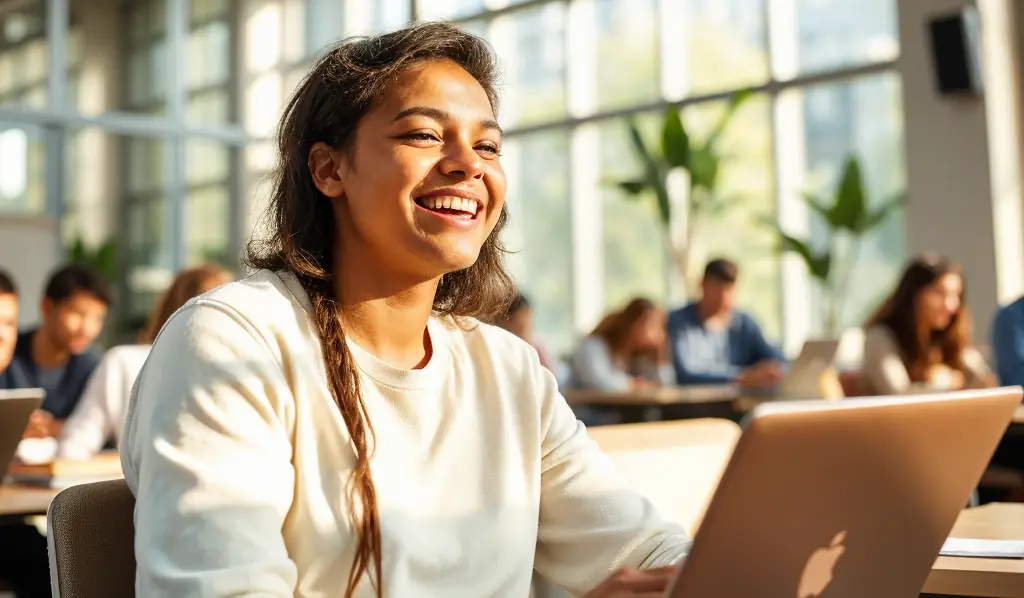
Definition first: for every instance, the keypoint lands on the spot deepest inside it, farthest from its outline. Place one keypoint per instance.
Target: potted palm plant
(847, 217)
(679, 153)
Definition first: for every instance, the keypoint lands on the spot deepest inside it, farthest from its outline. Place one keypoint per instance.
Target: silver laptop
(847, 499)
(16, 407)
(801, 381)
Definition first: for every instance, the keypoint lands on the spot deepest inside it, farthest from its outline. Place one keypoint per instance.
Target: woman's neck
(385, 314)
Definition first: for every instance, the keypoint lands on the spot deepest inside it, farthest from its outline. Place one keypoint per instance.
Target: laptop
(802, 380)
(16, 407)
(843, 499)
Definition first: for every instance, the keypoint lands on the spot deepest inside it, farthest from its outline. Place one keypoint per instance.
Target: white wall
(949, 171)
(29, 251)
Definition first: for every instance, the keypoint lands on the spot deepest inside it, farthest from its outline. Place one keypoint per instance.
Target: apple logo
(817, 574)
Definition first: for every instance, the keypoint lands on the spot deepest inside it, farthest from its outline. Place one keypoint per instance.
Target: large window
(573, 72)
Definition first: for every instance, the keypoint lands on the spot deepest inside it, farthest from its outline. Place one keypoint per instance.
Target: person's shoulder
(1010, 312)
(126, 353)
(478, 338)
(686, 313)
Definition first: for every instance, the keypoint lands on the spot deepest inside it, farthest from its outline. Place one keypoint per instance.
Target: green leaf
(882, 213)
(849, 211)
(703, 168)
(634, 187)
(818, 207)
(818, 265)
(675, 142)
(639, 147)
(661, 194)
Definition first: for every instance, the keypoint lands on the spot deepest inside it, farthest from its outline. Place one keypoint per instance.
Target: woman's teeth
(455, 204)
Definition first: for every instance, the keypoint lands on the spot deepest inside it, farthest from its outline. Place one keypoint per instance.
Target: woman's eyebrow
(442, 116)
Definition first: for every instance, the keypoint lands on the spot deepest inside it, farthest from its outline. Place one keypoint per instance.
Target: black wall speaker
(955, 41)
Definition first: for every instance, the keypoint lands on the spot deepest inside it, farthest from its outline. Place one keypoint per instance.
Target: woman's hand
(632, 583)
(39, 425)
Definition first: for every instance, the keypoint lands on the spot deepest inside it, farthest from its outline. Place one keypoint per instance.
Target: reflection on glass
(745, 190)
(530, 48)
(23, 54)
(840, 33)
(635, 256)
(627, 52)
(119, 58)
(540, 220)
(863, 117)
(22, 180)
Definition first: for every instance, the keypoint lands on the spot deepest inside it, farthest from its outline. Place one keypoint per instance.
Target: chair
(91, 534)
(675, 464)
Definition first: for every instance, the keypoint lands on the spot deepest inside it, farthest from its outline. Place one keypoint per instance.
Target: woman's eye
(422, 136)
(490, 149)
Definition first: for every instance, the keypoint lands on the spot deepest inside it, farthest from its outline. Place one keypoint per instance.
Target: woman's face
(940, 301)
(649, 331)
(423, 188)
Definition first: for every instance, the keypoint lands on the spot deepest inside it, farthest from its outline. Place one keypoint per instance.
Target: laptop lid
(16, 407)
(851, 498)
(801, 381)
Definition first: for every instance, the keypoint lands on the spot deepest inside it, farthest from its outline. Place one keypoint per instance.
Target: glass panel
(635, 256)
(530, 47)
(209, 51)
(863, 118)
(538, 234)
(208, 228)
(725, 45)
(114, 189)
(127, 67)
(324, 24)
(430, 10)
(627, 52)
(200, 11)
(745, 192)
(207, 170)
(840, 33)
(23, 55)
(22, 178)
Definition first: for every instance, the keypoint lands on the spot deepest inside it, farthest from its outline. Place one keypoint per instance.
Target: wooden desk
(19, 500)
(991, 578)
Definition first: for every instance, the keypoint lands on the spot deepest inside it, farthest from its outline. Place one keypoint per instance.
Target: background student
(99, 416)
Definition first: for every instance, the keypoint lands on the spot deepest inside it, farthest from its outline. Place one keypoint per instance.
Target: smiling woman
(340, 422)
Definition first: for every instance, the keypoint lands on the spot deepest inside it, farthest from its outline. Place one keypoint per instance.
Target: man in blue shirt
(1008, 343)
(714, 343)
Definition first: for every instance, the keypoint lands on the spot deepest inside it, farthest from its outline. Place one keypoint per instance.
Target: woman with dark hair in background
(920, 336)
(626, 350)
(339, 423)
(99, 416)
(518, 319)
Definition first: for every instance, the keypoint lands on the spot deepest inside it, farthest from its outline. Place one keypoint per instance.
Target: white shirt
(100, 412)
(239, 460)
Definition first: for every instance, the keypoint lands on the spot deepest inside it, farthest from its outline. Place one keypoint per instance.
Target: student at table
(625, 351)
(55, 356)
(920, 336)
(712, 342)
(99, 416)
(23, 561)
(1008, 343)
(339, 423)
(8, 329)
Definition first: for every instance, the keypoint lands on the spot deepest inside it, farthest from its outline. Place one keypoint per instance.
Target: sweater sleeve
(591, 522)
(208, 456)
(883, 368)
(90, 423)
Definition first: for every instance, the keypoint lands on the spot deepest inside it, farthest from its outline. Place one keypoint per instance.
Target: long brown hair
(918, 343)
(343, 86)
(186, 285)
(616, 328)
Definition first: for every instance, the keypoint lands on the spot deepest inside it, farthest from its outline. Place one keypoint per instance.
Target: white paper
(973, 547)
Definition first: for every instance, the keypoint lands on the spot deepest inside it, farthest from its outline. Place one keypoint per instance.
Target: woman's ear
(325, 168)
